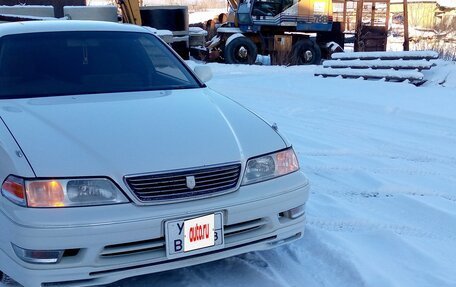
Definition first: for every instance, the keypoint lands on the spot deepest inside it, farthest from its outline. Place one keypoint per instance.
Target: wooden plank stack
(390, 66)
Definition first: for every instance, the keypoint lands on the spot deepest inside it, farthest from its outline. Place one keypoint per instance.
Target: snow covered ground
(382, 161)
(381, 158)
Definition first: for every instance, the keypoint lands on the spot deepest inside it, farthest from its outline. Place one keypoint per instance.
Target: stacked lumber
(390, 66)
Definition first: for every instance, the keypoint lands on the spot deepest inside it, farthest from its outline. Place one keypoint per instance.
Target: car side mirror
(204, 73)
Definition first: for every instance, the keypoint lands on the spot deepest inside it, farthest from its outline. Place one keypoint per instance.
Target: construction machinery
(291, 31)
(130, 11)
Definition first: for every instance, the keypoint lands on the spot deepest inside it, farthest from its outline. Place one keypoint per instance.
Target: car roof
(65, 26)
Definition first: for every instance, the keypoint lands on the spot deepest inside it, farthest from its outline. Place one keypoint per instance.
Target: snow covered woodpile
(99, 13)
(391, 66)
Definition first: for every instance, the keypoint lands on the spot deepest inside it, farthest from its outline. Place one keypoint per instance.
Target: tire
(335, 35)
(240, 50)
(305, 52)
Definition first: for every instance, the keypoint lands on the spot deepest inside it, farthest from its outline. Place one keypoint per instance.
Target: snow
(381, 159)
(26, 6)
(399, 64)
(382, 163)
(386, 55)
(203, 16)
(197, 31)
(27, 16)
(447, 3)
(371, 73)
(444, 75)
(28, 10)
(159, 32)
(98, 13)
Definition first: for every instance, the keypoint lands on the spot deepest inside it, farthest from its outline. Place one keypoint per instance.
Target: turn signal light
(286, 162)
(13, 188)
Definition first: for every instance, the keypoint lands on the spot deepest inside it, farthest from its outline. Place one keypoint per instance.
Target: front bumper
(117, 244)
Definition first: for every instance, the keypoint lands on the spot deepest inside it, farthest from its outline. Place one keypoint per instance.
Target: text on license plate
(205, 232)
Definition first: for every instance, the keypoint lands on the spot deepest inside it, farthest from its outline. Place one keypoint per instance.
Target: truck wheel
(240, 50)
(305, 52)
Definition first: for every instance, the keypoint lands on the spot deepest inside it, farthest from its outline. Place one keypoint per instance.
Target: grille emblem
(191, 182)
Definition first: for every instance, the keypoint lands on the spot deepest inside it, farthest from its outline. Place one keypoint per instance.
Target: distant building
(427, 14)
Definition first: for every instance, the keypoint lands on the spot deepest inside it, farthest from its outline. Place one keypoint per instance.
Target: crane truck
(257, 27)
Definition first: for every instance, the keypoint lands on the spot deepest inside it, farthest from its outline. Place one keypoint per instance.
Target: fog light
(38, 256)
(295, 212)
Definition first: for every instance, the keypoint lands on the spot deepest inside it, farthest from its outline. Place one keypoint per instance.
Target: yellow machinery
(302, 31)
(130, 11)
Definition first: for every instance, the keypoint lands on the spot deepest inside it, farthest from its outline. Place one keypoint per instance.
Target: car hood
(131, 133)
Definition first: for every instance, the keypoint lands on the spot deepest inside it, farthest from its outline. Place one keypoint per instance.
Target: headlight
(62, 192)
(270, 166)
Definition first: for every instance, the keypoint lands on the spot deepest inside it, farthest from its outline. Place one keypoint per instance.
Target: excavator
(299, 31)
(293, 31)
(130, 11)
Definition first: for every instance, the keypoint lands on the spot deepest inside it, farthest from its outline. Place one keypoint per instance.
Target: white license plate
(194, 235)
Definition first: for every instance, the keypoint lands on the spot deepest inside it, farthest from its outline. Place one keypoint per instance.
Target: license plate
(194, 235)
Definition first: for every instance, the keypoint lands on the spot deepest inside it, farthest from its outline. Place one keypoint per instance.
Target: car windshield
(71, 63)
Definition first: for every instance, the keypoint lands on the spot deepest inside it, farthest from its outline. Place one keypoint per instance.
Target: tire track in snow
(421, 158)
(387, 192)
(386, 170)
(301, 263)
(363, 226)
(316, 253)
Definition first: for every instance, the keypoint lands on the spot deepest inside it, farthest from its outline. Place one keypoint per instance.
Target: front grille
(168, 186)
(244, 227)
(150, 246)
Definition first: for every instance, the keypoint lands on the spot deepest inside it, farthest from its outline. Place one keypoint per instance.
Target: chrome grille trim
(172, 185)
(133, 247)
(243, 227)
(155, 248)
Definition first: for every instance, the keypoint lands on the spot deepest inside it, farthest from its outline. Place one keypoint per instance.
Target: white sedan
(116, 160)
